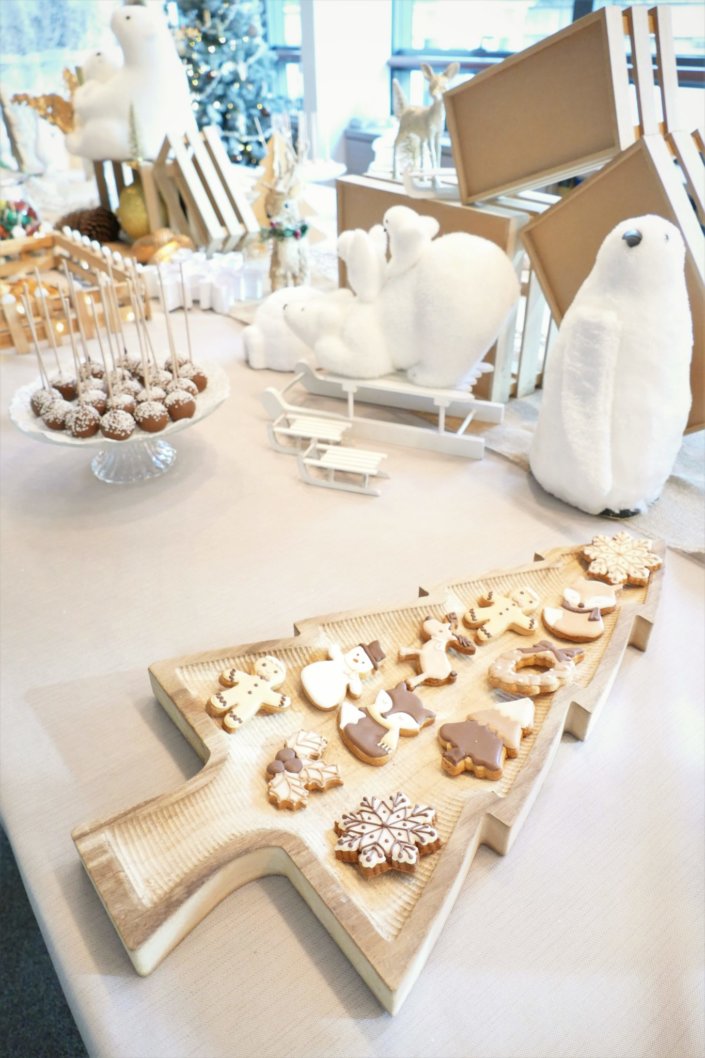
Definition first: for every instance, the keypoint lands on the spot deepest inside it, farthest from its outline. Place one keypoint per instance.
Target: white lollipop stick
(51, 337)
(185, 301)
(30, 320)
(170, 336)
(102, 350)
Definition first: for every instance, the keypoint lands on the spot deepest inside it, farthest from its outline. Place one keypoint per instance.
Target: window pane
(468, 25)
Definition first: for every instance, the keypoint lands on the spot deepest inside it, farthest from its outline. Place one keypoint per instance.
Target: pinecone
(100, 223)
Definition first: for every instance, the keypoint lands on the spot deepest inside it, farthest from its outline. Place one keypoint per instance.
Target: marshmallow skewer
(170, 336)
(51, 337)
(108, 379)
(30, 320)
(186, 322)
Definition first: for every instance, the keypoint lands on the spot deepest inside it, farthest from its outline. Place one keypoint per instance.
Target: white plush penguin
(616, 392)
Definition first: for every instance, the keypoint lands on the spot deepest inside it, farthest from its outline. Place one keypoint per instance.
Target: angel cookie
(432, 659)
(580, 616)
(372, 734)
(249, 694)
(496, 614)
(299, 768)
(326, 683)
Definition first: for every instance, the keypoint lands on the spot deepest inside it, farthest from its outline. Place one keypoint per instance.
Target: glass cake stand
(142, 456)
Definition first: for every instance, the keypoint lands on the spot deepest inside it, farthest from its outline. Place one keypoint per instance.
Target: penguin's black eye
(632, 237)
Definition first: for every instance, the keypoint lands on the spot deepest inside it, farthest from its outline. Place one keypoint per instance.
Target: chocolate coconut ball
(180, 404)
(117, 425)
(97, 398)
(42, 398)
(196, 374)
(150, 393)
(151, 416)
(90, 369)
(122, 402)
(182, 383)
(83, 420)
(54, 414)
(156, 377)
(131, 386)
(66, 386)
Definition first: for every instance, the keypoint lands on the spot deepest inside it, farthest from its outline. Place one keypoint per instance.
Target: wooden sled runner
(161, 866)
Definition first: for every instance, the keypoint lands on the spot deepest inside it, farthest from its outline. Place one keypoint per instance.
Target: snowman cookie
(327, 683)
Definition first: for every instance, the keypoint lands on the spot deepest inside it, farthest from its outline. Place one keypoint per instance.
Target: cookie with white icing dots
(512, 671)
(372, 734)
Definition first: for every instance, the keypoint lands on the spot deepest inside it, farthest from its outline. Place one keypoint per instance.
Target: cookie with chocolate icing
(372, 734)
(474, 747)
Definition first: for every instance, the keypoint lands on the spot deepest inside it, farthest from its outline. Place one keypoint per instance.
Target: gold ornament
(52, 107)
(160, 246)
(132, 211)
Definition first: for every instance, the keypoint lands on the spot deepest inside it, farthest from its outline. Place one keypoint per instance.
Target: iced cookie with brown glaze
(557, 667)
(384, 835)
(372, 734)
(472, 746)
(579, 619)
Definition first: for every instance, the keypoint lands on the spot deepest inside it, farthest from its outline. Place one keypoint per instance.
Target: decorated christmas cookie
(326, 683)
(384, 835)
(432, 659)
(372, 734)
(496, 614)
(557, 665)
(519, 709)
(249, 694)
(298, 768)
(472, 746)
(621, 559)
(580, 616)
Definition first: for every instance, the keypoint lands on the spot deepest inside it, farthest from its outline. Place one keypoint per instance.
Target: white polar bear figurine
(151, 84)
(269, 341)
(616, 390)
(433, 310)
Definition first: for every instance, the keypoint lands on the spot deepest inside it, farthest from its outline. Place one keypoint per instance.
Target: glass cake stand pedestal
(126, 464)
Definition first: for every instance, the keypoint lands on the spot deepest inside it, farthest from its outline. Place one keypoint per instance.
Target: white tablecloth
(585, 941)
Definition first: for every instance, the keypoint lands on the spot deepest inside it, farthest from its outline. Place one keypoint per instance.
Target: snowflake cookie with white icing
(621, 559)
(384, 835)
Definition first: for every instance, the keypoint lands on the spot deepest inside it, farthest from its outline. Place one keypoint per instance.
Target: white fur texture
(152, 81)
(269, 341)
(616, 391)
(433, 310)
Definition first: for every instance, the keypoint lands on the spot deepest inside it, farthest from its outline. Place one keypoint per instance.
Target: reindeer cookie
(372, 734)
(579, 618)
(496, 614)
(326, 683)
(249, 694)
(432, 659)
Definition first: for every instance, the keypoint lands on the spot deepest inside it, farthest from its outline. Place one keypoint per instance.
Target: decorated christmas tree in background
(230, 70)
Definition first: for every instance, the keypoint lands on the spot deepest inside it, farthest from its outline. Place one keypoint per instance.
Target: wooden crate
(363, 201)
(18, 260)
(562, 242)
(192, 186)
(552, 111)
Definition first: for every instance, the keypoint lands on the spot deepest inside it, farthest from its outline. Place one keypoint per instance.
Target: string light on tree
(230, 70)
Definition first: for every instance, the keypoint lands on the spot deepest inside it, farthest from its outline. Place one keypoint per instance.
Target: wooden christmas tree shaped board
(161, 866)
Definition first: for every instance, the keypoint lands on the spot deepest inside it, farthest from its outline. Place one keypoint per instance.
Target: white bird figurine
(616, 392)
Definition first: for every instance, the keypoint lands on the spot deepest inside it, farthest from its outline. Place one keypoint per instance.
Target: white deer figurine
(289, 266)
(419, 126)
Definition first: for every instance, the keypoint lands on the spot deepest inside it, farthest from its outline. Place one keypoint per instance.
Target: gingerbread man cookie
(298, 768)
(249, 694)
(509, 670)
(372, 734)
(621, 559)
(326, 683)
(580, 617)
(384, 835)
(434, 665)
(496, 614)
